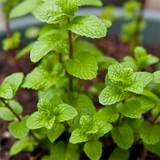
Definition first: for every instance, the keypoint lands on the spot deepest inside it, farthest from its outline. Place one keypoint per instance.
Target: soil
(110, 46)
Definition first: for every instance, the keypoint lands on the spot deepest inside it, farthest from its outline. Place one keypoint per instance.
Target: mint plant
(67, 121)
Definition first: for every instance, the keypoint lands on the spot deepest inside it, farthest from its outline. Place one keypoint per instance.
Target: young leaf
(50, 13)
(111, 94)
(64, 112)
(24, 8)
(25, 144)
(45, 45)
(18, 129)
(6, 91)
(96, 3)
(119, 154)
(83, 66)
(123, 136)
(93, 149)
(6, 114)
(56, 130)
(131, 108)
(15, 81)
(145, 77)
(38, 79)
(150, 134)
(89, 26)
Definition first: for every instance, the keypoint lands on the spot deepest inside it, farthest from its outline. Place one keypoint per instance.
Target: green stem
(119, 120)
(154, 121)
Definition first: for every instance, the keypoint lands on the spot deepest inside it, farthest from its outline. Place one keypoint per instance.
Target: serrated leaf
(84, 106)
(107, 114)
(36, 121)
(15, 81)
(18, 129)
(119, 154)
(146, 103)
(131, 108)
(83, 66)
(135, 87)
(89, 26)
(6, 91)
(156, 77)
(24, 8)
(25, 144)
(64, 112)
(111, 94)
(85, 46)
(50, 13)
(25, 50)
(38, 79)
(130, 62)
(123, 136)
(150, 134)
(145, 77)
(6, 114)
(93, 149)
(63, 151)
(56, 130)
(45, 45)
(96, 3)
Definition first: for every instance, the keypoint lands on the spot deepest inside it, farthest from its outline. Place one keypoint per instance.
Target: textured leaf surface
(111, 95)
(150, 134)
(123, 136)
(55, 131)
(96, 3)
(93, 149)
(25, 144)
(24, 8)
(119, 154)
(19, 130)
(131, 108)
(6, 91)
(156, 78)
(38, 79)
(89, 26)
(83, 66)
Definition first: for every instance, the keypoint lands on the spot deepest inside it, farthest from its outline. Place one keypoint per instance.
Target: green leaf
(93, 149)
(56, 130)
(24, 8)
(85, 46)
(64, 112)
(45, 45)
(153, 148)
(63, 151)
(96, 3)
(19, 130)
(146, 103)
(38, 79)
(50, 13)
(123, 136)
(135, 87)
(119, 154)
(84, 106)
(131, 108)
(25, 144)
(6, 91)
(2, 1)
(36, 121)
(107, 114)
(111, 94)
(6, 114)
(150, 134)
(142, 76)
(15, 81)
(25, 50)
(83, 66)
(79, 136)
(88, 26)
(156, 77)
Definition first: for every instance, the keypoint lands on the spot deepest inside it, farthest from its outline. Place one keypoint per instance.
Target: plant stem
(154, 121)
(70, 56)
(8, 30)
(119, 119)
(20, 119)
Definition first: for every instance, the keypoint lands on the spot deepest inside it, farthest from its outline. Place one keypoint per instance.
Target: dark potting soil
(110, 46)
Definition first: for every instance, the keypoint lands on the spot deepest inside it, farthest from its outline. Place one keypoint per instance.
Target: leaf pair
(48, 114)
